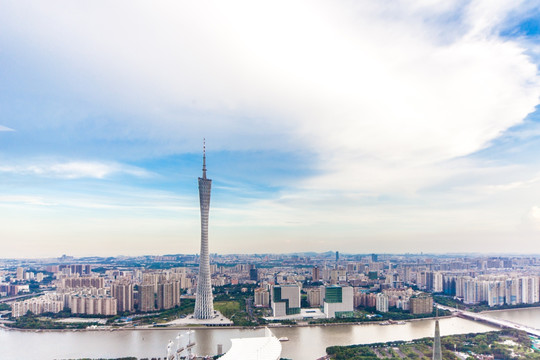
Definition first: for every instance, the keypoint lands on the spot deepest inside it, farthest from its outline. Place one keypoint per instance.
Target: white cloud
(5, 128)
(532, 220)
(387, 95)
(513, 185)
(372, 88)
(25, 200)
(75, 170)
(534, 213)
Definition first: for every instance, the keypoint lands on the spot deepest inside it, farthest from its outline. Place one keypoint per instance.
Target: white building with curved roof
(266, 347)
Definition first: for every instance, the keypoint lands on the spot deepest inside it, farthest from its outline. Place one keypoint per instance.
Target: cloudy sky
(356, 126)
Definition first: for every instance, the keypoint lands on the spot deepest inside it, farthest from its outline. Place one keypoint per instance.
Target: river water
(304, 342)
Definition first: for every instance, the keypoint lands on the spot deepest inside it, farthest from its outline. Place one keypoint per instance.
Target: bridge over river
(490, 320)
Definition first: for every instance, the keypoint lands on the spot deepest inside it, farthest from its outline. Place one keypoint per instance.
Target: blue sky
(401, 126)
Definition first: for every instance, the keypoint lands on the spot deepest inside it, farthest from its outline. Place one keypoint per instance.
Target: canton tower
(204, 302)
(437, 350)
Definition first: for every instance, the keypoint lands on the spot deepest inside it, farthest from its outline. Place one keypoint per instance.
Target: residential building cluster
(38, 305)
(112, 292)
(89, 301)
(495, 290)
(333, 284)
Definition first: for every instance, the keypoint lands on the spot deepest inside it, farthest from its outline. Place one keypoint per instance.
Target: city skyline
(354, 127)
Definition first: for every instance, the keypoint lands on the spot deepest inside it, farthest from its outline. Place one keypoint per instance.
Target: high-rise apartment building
(20, 273)
(37, 305)
(82, 282)
(421, 304)
(204, 302)
(314, 297)
(496, 293)
(434, 281)
(168, 294)
(123, 293)
(147, 301)
(262, 297)
(85, 303)
(382, 303)
(365, 299)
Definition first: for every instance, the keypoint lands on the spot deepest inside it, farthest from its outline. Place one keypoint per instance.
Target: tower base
(218, 320)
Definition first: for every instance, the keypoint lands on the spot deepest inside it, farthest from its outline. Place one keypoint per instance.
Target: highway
(18, 297)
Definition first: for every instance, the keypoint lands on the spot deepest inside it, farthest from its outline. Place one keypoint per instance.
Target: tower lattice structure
(204, 302)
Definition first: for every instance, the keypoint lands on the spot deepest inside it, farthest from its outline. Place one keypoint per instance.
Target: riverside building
(147, 299)
(122, 291)
(285, 300)
(421, 304)
(39, 305)
(84, 303)
(168, 295)
(338, 301)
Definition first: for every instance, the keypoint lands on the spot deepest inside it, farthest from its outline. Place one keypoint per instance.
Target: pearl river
(307, 342)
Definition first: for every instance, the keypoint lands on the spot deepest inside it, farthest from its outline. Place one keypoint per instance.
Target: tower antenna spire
(204, 159)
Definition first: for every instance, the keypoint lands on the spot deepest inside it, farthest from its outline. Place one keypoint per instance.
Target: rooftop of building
(266, 347)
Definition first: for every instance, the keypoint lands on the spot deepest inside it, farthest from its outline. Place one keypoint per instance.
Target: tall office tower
(437, 351)
(254, 274)
(316, 274)
(204, 305)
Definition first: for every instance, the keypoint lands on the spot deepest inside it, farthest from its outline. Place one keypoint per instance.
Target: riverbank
(499, 344)
(202, 327)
